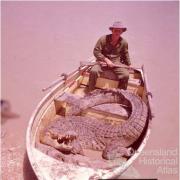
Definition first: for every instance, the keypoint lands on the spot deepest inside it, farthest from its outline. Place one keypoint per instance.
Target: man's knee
(126, 75)
(95, 70)
(123, 75)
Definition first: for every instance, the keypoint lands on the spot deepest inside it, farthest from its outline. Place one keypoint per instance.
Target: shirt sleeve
(125, 54)
(98, 49)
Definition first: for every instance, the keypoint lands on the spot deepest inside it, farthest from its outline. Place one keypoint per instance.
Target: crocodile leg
(77, 148)
(115, 149)
(52, 152)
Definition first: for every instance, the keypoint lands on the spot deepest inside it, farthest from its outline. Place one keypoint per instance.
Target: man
(111, 49)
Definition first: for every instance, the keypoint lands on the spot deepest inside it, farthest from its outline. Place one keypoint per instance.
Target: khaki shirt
(117, 54)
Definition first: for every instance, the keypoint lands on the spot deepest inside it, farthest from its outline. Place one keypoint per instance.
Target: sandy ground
(43, 39)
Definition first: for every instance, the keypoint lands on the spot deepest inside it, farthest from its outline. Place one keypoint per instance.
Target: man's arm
(125, 54)
(98, 52)
(98, 49)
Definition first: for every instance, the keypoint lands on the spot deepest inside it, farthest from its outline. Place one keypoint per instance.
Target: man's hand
(130, 67)
(109, 63)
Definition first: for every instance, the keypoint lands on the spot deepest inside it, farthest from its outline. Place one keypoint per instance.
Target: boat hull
(46, 167)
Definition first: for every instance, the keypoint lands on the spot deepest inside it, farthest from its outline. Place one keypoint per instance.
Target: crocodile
(72, 133)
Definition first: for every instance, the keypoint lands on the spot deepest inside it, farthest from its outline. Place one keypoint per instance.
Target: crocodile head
(60, 140)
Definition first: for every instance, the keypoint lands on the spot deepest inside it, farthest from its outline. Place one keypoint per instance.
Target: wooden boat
(46, 167)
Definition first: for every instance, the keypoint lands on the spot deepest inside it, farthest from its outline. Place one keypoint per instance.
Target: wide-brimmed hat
(118, 25)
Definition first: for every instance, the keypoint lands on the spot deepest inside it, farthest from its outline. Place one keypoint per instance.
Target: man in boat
(111, 51)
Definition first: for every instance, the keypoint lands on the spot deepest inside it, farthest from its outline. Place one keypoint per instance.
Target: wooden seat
(110, 80)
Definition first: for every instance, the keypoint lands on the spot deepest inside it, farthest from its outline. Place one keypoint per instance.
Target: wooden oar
(86, 63)
(65, 77)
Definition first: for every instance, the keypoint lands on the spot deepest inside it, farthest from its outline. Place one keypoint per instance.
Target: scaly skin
(73, 133)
